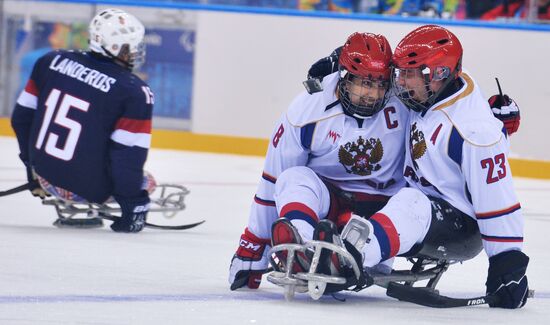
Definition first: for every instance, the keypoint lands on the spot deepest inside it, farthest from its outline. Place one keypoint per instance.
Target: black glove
(507, 111)
(134, 213)
(321, 69)
(507, 280)
(34, 186)
(325, 66)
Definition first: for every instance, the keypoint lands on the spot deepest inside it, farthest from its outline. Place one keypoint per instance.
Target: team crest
(361, 157)
(417, 144)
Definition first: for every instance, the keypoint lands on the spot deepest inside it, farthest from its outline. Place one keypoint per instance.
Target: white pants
(395, 229)
(301, 191)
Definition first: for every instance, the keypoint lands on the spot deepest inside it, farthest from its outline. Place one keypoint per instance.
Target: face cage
(357, 110)
(406, 95)
(136, 59)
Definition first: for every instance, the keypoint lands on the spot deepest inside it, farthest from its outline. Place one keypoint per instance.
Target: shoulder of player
(131, 83)
(472, 117)
(311, 108)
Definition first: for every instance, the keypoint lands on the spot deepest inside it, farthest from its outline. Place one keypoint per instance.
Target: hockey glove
(321, 69)
(134, 213)
(34, 186)
(505, 109)
(507, 279)
(249, 262)
(325, 66)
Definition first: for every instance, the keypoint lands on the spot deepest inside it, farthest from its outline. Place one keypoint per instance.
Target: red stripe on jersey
(390, 231)
(296, 206)
(498, 213)
(30, 87)
(269, 178)
(133, 125)
(263, 202)
(502, 239)
(435, 134)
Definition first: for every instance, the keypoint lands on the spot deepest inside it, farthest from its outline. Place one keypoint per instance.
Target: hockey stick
(110, 217)
(499, 89)
(14, 190)
(421, 296)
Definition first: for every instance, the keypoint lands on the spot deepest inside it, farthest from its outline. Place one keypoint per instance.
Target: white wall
(250, 66)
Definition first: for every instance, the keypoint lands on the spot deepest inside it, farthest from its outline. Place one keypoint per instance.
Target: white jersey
(458, 151)
(355, 155)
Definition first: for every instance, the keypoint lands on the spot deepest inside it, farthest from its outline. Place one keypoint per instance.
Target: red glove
(505, 109)
(249, 262)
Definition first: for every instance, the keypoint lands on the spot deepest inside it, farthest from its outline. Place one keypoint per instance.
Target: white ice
(95, 276)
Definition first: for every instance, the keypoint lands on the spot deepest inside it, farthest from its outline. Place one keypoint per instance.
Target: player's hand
(325, 66)
(505, 109)
(507, 279)
(249, 262)
(34, 186)
(134, 214)
(37, 190)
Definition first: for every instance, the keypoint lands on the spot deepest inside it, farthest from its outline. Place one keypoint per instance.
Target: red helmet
(368, 57)
(433, 47)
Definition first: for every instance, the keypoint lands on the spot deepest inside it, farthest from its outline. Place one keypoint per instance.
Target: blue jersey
(84, 124)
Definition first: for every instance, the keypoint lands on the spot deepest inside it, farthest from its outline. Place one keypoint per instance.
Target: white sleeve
(498, 211)
(285, 150)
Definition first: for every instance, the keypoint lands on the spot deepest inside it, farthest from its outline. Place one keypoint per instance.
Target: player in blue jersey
(83, 121)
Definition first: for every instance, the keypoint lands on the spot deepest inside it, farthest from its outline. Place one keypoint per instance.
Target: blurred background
(223, 71)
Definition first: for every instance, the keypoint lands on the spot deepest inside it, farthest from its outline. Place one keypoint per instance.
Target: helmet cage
(367, 105)
(428, 96)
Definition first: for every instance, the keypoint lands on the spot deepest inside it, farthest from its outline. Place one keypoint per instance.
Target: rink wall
(249, 64)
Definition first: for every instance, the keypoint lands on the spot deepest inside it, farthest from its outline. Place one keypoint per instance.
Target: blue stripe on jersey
(468, 195)
(306, 134)
(299, 215)
(455, 146)
(269, 178)
(504, 131)
(264, 202)
(331, 105)
(499, 213)
(383, 240)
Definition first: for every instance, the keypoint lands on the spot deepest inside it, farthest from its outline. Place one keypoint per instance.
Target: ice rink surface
(96, 276)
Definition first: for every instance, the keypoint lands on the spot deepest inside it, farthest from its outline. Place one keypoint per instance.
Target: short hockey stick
(14, 190)
(421, 296)
(106, 216)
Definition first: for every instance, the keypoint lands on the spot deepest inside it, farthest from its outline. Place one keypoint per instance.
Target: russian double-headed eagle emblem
(417, 144)
(361, 157)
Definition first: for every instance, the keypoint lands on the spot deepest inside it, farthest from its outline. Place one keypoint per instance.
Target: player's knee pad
(410, 214)
(453, 235)
(299, 176)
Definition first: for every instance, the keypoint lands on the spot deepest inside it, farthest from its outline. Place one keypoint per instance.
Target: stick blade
(423, 297)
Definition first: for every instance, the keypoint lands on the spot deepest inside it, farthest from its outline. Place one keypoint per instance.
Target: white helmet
(117, 34)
